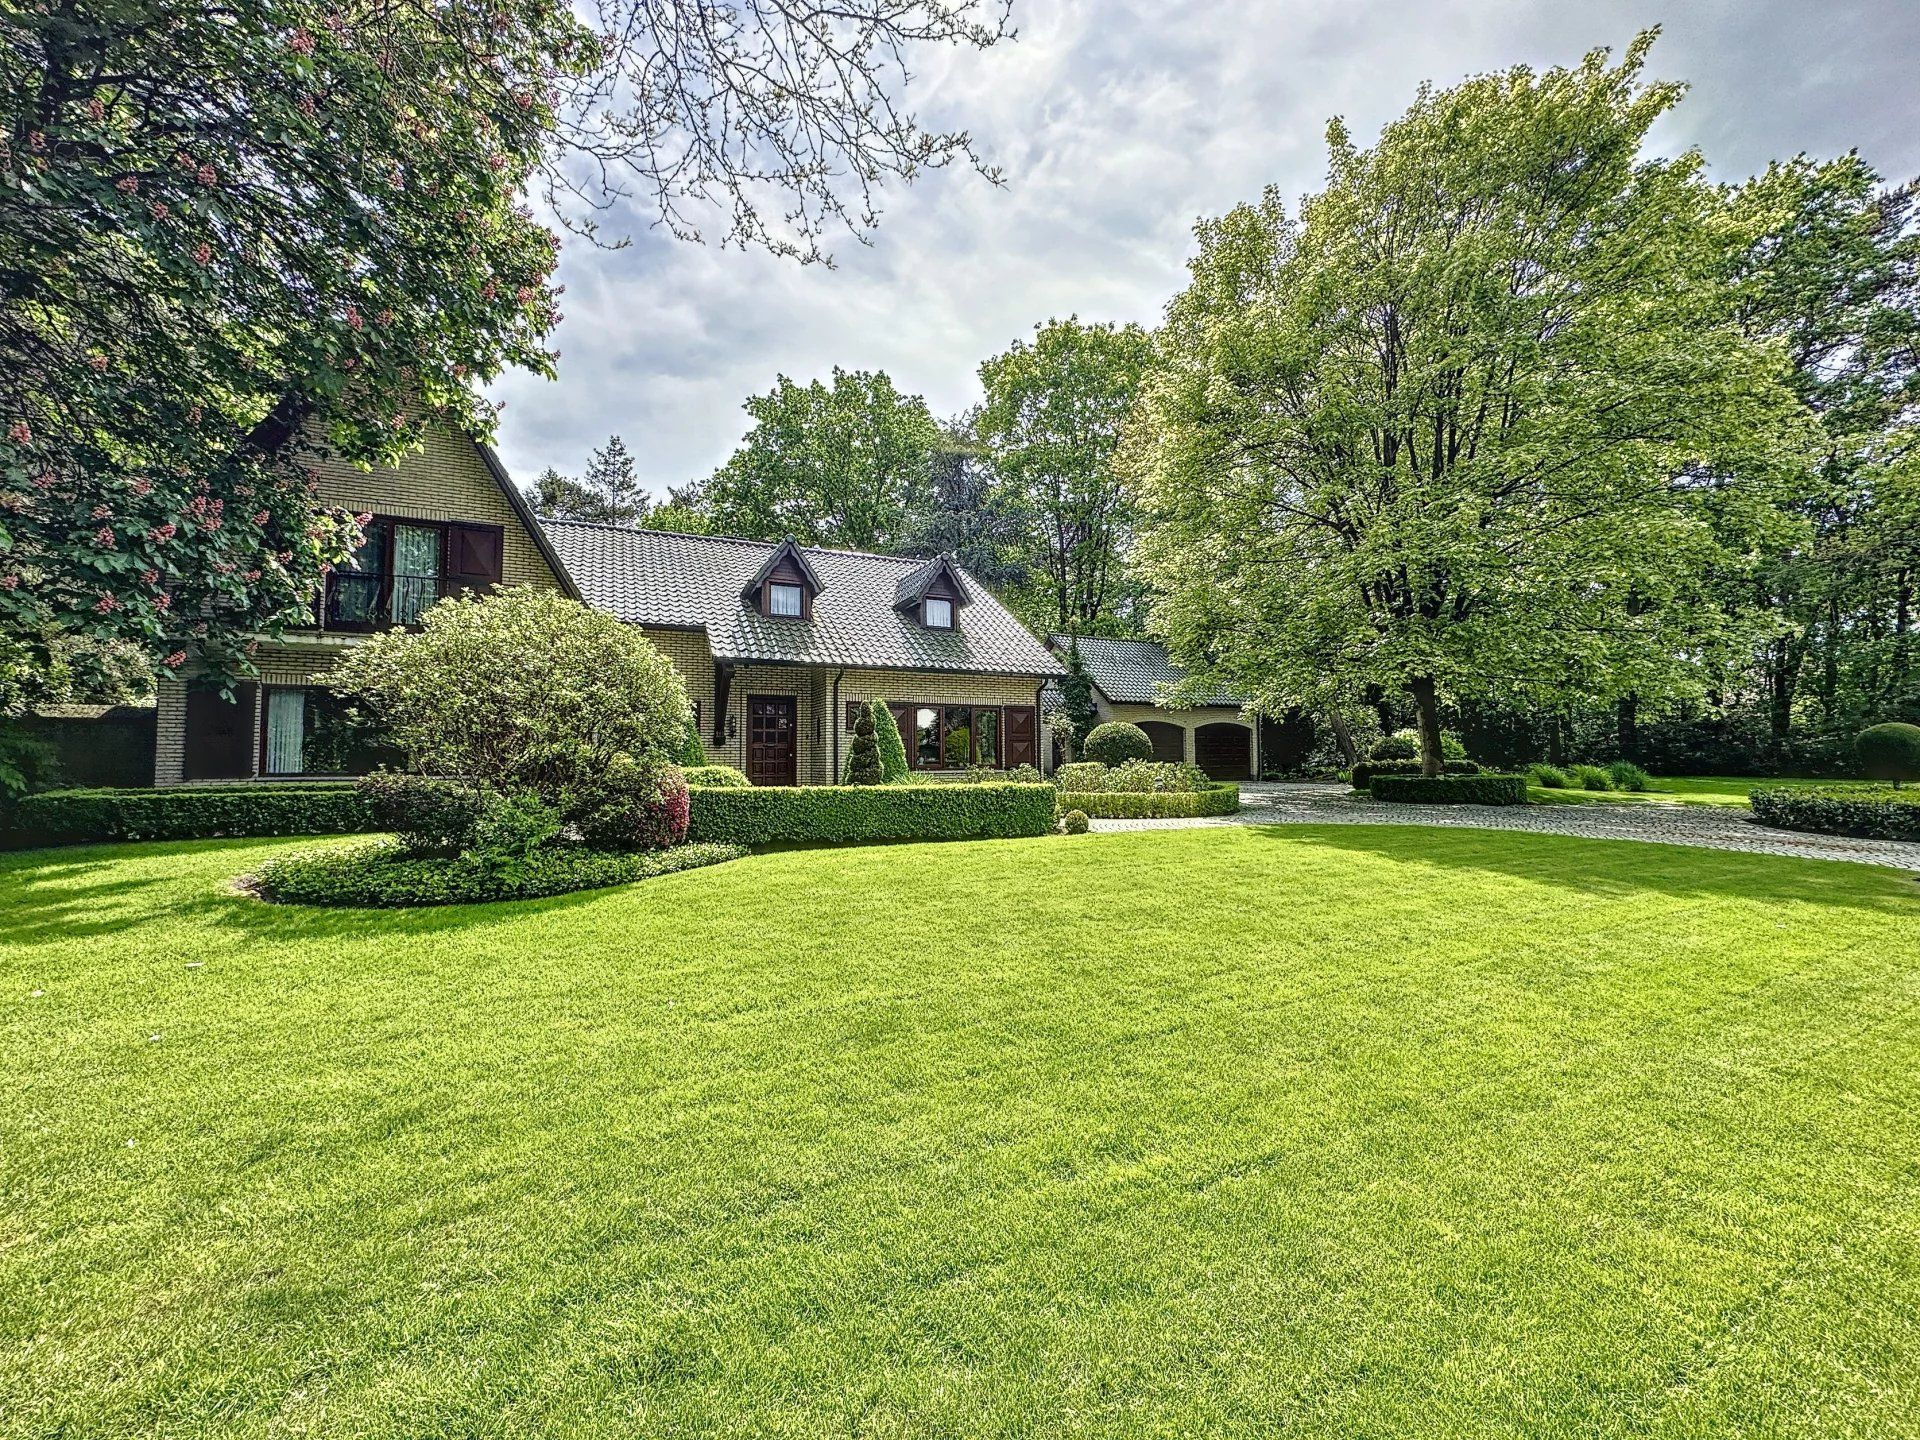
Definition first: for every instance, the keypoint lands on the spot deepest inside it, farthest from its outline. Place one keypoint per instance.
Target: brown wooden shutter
(1020, 735)
(220, 735)
(473, 556)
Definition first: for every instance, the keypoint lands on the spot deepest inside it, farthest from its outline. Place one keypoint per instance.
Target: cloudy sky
(1118, 123)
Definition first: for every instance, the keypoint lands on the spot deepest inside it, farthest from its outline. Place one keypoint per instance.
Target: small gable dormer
(933, 594)
(784, 587)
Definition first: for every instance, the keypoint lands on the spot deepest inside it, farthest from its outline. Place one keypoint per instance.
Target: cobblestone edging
(1713, 827)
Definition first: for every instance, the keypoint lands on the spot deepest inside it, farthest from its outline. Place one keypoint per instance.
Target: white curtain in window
(286, 732)
(416, 571)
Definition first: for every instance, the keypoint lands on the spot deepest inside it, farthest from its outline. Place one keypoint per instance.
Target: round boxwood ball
(1074, 822)
(1116, 742)
(1889, 752)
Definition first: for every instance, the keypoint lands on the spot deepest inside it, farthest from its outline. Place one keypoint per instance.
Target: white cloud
(1119, 123)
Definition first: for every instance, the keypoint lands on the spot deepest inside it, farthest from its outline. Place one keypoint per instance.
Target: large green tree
(1055, 409)
(846, 463)
(235, 232)
(1452, 430)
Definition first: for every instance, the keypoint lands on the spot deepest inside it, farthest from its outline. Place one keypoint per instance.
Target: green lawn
(1682, 790)
(1332, 1132)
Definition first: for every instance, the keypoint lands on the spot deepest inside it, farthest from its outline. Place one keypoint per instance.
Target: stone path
(1713, 826)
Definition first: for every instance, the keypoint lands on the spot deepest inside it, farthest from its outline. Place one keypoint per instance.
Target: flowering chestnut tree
(239, 233)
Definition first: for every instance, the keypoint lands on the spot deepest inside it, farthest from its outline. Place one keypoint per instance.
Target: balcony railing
(358, 602)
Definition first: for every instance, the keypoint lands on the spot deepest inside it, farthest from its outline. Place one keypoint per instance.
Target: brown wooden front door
(772, 740)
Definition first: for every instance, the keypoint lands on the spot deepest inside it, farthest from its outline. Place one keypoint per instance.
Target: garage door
(1224, 751)
(1169, 741)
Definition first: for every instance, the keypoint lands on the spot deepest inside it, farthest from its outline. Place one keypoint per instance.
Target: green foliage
(523, 689)
(1362, 774)
(429, 814)
(1024, 775)
(1449, 789)
(384, 874)
(723, 777)
(1624, 774)
(1401, 745)
(769, 814)
(893, 750)
(511, 829)
(634, 805)
(693, 750)
(187, 812)
(1090, 777)
(1366, 462)
(1115, 741)
(841, 464)
(863, 757)
(1549, 777)
(1870, 812)
(1055, 408)
(1074, 822)
(1077, 709)
(27, 763)
(1889, 752)
(1214, 799)
(1589, 777)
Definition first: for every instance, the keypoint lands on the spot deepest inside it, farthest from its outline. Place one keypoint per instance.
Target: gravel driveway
(1713, 826)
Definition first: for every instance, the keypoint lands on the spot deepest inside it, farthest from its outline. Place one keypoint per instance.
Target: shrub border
(187, 812)
(845, 814)
(1449, 789)
(384, 875)
(1865, 812)
(1222, 798)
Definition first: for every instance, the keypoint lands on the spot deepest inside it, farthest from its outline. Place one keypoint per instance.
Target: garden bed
(384, 874)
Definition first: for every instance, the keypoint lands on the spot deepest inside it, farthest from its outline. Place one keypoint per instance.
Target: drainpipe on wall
(834, 721)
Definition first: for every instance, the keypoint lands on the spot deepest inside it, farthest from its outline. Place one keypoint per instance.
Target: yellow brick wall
(1187, 720)
(286, 664)
(445, 479)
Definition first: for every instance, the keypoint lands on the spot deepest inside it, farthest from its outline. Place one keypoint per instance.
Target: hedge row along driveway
(1319, 1131)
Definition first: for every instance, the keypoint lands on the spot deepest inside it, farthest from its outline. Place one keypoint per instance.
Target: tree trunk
(1556, 740)
(1629, 727)
(1343, 736)
(1426, 707)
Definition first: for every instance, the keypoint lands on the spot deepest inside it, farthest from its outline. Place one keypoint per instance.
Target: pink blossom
(300, 42)
(163, 601)
(182, 160)
(127, 184)
(202, 253)
(157, 209)
(104, 537)
(103, 512)
(149, 576)
(9, 582)
(106, 605)
(354, 321)
(496, 162)
(162, 533)
(44, 480)
(20, 433)
(305, 102)
(194, 413)
(490, 290)
(98, 362)
(142, 486)
(207, 175)
(365, 517)
(523, 100)
(260, 517)
(176, 659)
(251, 576)
(523, 294)
(385, 318)
(37, 139)
(96, 110)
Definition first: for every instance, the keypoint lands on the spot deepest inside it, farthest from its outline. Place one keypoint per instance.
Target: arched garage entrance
(1224, 750)
(1169, 740)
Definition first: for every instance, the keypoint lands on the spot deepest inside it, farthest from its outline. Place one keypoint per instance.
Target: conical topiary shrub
(893, 750)
(863, 761)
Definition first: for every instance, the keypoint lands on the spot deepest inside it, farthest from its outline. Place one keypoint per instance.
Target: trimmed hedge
(1364, 772)
(835, 814)
(385, 874)
(1868, 812)
(188, 812)
(1450, 789)
(1153, 804)
(715, 776)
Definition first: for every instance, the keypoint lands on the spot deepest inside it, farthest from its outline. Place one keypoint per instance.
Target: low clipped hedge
(836, 814)
(1868, 812)
(715, 776)
(1221, 799)
(1366, 770)
(1450, 789)
(187, 812)
(385, 874)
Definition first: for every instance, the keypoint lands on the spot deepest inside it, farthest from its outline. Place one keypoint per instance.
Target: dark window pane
(986, 725)
(926, 734)
(959, 737)
(416, 571)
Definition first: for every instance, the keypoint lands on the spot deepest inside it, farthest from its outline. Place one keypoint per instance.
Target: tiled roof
(1129, 672)
(694, 582)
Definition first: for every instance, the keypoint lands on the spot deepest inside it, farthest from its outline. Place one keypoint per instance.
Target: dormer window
(784, 586)
(785, 600)
(936, 613)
